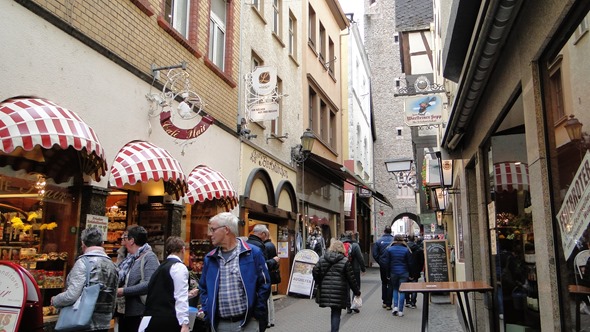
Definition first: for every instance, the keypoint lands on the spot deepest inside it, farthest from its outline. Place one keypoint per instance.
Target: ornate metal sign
(178, 107)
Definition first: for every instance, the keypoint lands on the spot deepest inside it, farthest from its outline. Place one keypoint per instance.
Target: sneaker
(413, 306)
(348, 311)
(384, 306)
(400, 314)
(394, 312)
(408, 305)
(356, 310)
(388, 307)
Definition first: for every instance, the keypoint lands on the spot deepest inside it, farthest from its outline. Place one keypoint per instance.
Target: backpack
(348, 250)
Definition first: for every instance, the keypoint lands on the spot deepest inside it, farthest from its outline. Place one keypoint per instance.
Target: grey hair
(91, 237)
(228, 220)
(260, 228)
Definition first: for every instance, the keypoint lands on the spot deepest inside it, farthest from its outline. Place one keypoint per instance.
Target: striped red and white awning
(205, 183)
(41, 136)
(141, 161)
(511, 176)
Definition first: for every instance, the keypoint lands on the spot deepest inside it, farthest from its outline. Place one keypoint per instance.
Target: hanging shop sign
(177, 95)
(100, 222)
(262, 95)
(573, 216)
(423, 110)
(301, 280)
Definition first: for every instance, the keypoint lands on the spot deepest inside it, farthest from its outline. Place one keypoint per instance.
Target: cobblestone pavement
(297, 314)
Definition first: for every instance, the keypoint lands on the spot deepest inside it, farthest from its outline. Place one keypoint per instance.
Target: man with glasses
(235, 284)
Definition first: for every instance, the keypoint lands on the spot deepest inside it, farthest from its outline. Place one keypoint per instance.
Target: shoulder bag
(78, 316)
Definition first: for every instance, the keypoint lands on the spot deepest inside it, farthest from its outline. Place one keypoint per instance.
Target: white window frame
(176, 18)
(217, 25)
(292, 35)
(276, 17)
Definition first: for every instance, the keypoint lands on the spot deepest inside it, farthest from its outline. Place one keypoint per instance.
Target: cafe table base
(458, 287)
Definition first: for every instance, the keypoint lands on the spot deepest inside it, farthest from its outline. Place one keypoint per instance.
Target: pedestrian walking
(256, 238)
(416, 266)
(102, 271)
(398, 262)
(166, 306)
(334, 276)
(135, 271)
(235, 283)
(355, 256)
(379, 255)
(275, 276)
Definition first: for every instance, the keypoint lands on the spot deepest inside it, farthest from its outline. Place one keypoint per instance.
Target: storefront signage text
(574, 215)
(272, 165)
(8, 186)
(185, 134)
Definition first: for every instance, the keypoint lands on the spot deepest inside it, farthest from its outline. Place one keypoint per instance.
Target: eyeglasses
(124, 237)
(213, 229)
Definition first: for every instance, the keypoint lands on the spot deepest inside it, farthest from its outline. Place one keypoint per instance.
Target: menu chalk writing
(436, 260)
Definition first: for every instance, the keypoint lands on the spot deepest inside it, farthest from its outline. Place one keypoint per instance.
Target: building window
(331, 56)
(276, 17)
(217, 29)
(311, 27)
(556, 91)
(275, 125)
(322, 42)
(292, 35)
(176, 13)
(324, 126)
(313, 111)
(256, 4)
(396, 39)
(333, 129)
(581, 30)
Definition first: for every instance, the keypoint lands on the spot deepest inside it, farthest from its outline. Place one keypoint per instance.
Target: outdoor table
(447, 287)
(579, 291)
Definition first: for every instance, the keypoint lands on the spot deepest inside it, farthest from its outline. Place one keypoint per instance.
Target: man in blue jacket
(230, 300)
(379, 249)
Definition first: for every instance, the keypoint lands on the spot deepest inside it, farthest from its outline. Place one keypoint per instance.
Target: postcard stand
(20, 300)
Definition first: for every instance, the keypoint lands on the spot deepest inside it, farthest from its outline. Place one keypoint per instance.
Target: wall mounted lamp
(404, 172)
(300, 152)
(574, 131)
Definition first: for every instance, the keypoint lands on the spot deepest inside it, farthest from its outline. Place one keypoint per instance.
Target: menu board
(436, 260)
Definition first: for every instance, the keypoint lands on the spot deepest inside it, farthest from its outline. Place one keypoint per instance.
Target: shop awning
(511, 176)
(140, 161)
(40, 136)
(205, 183)
(335, 170)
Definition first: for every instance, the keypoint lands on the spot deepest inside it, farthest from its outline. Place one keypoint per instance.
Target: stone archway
(406, 223)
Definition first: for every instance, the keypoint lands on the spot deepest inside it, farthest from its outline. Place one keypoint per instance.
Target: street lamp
(403, 171)
(574, 131)
(300, 152)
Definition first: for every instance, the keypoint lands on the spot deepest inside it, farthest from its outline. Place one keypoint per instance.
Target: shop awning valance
(141, 161)
(205, 183)
(511, 176)
(40, 136)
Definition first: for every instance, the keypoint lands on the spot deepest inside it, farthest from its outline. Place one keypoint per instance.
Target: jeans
(385, 286)
(226, 326)
(412, 297)
(398, 297)
(335, 319)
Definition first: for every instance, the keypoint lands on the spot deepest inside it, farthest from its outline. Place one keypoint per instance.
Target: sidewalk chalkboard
(436, 260)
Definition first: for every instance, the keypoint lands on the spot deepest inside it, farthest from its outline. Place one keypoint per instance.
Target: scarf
(127, 263)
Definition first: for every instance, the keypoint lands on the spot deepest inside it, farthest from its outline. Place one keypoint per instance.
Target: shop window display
(565, 84)
(36, 220)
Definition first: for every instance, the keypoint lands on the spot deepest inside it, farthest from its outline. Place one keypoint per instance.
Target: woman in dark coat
(334, 276)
